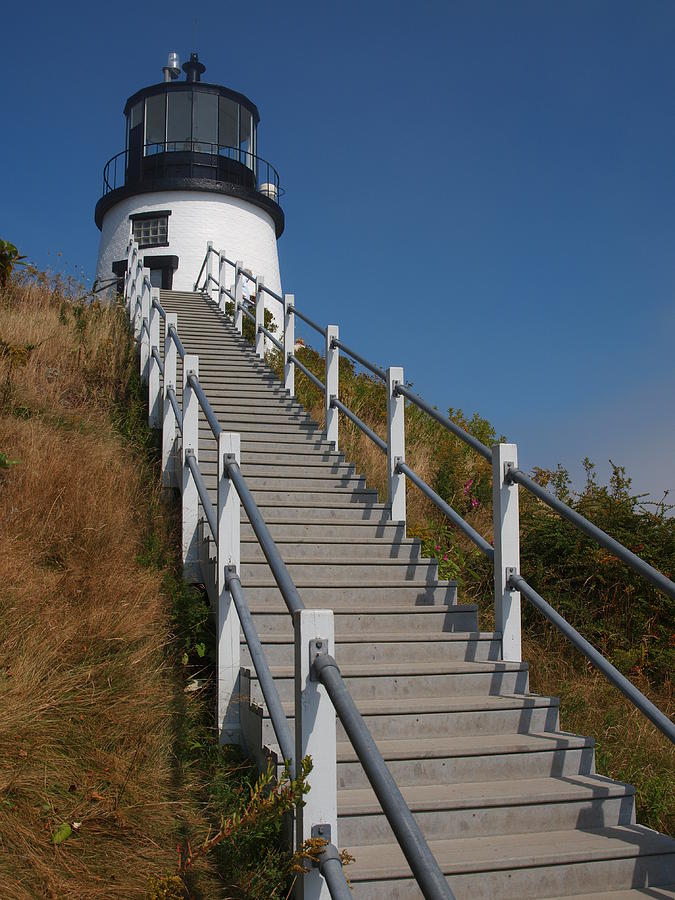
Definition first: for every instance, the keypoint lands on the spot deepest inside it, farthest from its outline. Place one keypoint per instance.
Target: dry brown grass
(87, 699)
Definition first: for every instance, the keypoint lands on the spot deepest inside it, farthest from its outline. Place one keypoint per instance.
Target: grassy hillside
(631, 622)
(112, 783)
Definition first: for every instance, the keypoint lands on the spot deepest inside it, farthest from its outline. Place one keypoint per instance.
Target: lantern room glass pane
(228, 122)
(245, 143)
(179, 120)
(155, 122)
(136, 115)
(205, 121)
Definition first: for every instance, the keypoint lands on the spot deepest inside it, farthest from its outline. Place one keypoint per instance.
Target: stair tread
(469, 745)
(660, 892)
(509, 851)
(471, 703)
(451, 667)
(462, 795)
(280, 637)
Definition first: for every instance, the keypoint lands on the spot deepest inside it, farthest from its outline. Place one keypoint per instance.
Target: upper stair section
(510, 804)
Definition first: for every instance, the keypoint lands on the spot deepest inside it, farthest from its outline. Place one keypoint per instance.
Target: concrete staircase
(510, 804)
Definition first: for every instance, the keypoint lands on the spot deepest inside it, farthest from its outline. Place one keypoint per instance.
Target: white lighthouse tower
(189, 173)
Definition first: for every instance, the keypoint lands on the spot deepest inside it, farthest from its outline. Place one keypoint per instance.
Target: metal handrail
(293, 358)
(517, 583)
(605, 540)
(173, 400)
(446, 422)
(173, 334)
(449, 512)
(375, 438)
(306, 319)
(267, 290)
(268, 334)
(330, 866)
(246, 312)
(154, 155)
(281, 574)
(211, 417)
(206, 256)
(421, 860)
(269, 689)
(158, 306)
(158, 360)
(376, 370)
(202, 490)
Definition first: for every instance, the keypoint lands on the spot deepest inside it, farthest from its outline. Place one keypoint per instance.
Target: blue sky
(486, 189)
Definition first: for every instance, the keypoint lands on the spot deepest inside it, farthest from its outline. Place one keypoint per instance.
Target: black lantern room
(188, 134)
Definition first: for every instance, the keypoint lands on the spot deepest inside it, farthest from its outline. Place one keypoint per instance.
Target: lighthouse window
(179, 120)
(245, 137)
(205, 121)
(228, 122)
(155, 122)
(151, 232)
(136, 115)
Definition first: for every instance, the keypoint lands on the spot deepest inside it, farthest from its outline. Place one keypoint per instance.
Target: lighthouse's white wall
(237, 228)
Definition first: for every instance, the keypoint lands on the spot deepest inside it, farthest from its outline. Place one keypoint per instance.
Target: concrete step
(399, 719)
(386, 607)
(405, 647)
(333, 530)
(511, 867)
(402, 681)
(522, 806)
(418, 761)
(332, 573)
(315, 547)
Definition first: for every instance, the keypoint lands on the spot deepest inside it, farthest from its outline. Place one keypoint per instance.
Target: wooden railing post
(190, 444)
(315, 736)
(208, 274)
(144, 336)
(222, 274)
(507, 549)
(154, 409)
(238, 296)
(168, 415)
(332, 387)
(395, 443)
(289, 344)
(259, 317)
(228, 540)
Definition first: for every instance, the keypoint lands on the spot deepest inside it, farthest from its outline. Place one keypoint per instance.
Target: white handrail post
(221, 281)
(507, 549)
(315, 736)
(289, 344)
(169, 416)
(154, 415)
(332, 376)
(238, 296)
(190, 444)
(134, 299)
(209, 269)
(259, 317)
(395, 443)
(144, 336)
(228, 555)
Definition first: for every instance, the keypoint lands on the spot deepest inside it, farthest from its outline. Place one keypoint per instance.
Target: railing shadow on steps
(506, 476)
(320, 690)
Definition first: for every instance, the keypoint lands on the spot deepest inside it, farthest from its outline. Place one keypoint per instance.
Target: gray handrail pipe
(330, 866)
(281, 574)
(203, 492)
(376, 370)
(171, 394)
(268, 334)
(310, 322)
(211, 417)
(274, 706)
(597, 534)
(375, 438)
(653, 713)
(421, 860)
(321, 386)
(173, 334)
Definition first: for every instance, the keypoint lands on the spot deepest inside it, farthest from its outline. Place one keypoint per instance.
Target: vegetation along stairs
(510, 804)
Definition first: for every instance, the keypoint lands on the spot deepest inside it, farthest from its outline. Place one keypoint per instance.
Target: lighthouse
(189, 173)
